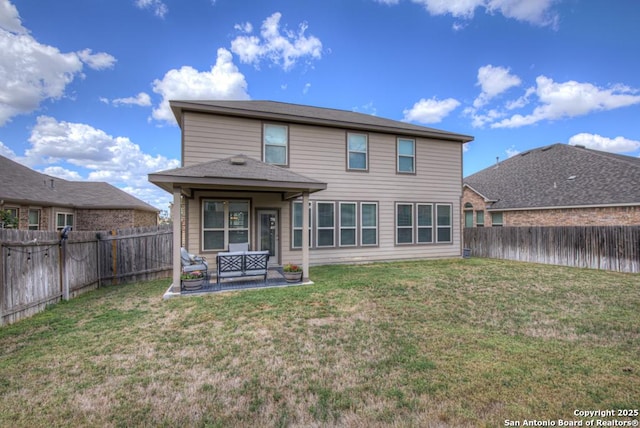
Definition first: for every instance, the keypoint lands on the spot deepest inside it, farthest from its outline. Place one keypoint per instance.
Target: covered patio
(236, 176)
(275, 278)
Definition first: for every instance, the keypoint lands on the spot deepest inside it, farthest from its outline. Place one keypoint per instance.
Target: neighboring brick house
(42, 202)
(556, 185)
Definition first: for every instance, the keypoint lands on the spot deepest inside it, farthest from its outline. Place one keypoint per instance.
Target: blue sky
(85, 84)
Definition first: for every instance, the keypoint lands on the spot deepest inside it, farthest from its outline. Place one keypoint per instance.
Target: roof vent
(580, 146)
(238, 160)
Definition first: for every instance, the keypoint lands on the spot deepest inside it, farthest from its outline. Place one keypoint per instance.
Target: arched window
(468, 215)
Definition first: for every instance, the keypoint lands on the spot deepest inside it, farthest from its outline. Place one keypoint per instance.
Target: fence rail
(37, 268)
(615, 248)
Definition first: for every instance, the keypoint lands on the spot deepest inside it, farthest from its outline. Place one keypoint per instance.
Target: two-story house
(313, 185)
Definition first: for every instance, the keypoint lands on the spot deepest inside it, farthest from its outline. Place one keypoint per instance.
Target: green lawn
(435, 343)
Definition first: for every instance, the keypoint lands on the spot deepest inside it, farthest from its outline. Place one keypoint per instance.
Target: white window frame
(418, 226)
(363, 227)
(319, 228)
(365, 152)
(227, 227)
(265, 144)
(36, 225)
(495, 223)
(342, 227)
(411, 226)
(295, 228)
(66, 215)
(446, 226)
(398, 156)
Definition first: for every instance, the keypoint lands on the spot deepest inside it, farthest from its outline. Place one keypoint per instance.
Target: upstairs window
(406, 150)
(276, 144)
(357, 150)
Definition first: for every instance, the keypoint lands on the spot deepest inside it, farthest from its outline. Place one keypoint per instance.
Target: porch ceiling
(236, 173)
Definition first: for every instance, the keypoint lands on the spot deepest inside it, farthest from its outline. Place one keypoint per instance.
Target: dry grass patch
(435, 343)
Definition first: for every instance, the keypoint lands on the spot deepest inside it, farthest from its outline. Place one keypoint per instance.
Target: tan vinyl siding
(320, 153)
(209, 137)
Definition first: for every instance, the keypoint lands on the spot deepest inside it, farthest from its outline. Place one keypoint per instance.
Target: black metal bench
(241, 264)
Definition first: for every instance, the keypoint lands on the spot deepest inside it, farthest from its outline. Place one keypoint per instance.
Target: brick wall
(479, 204)
(103, 219)
(145, 218)
(607, 216)
(614, 216)
(114, 219)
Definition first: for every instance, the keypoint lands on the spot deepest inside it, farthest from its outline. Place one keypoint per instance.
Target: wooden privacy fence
(38, 268)
(614, 248)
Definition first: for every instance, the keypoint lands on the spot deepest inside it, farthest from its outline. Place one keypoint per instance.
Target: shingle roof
(22, 184)
(297, 113)
(559, 175)
(238, 170)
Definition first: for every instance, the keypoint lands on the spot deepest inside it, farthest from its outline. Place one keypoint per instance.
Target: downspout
(305, 236)
(177, 233)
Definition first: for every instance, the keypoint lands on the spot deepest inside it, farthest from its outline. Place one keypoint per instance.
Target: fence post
(63, 262)
(2, 283)
(114, 255)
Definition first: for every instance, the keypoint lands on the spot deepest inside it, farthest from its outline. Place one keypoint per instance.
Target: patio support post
(177, 241)
(305, 236)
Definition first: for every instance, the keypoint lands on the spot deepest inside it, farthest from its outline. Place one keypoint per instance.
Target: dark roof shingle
(312, 115)
(559, 175)
(22, 184)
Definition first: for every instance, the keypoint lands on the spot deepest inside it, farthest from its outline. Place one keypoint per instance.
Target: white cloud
(493, 81)
(7, 152)
(537, 12)
(247, 27)
(368, 108)
(512, 151)
(478, 120)
(570, 99)
(430, 111)
(60, 172)
(32, 72)
(223, 81)
(116, 160)
(10, 18)
(598, 142)
(99, 61)
(157, 6)
(142, 99)
(283, 48)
